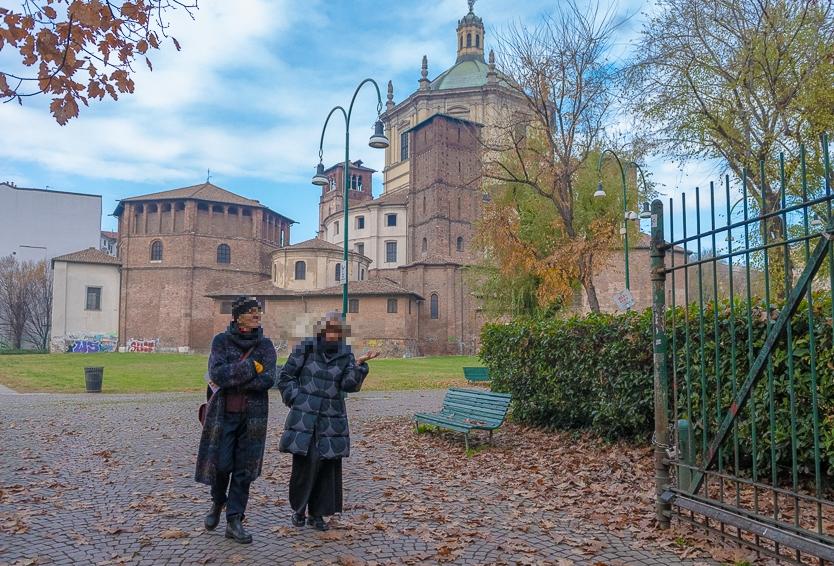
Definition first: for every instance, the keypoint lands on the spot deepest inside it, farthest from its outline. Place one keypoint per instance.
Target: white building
(38, 224)
(85, 302)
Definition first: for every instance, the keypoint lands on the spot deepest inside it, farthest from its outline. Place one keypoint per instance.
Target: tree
(530, 264)
(561, 69)
(80, 50)
(13, 288)
(740, 81)
(39, 306)
(25, 302)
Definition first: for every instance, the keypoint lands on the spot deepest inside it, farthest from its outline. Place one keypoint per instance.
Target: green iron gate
(744, 361)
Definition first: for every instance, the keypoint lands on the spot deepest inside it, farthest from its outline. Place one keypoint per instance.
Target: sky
(247, 96)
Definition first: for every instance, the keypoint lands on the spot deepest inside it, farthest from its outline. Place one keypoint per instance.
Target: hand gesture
(367, 356)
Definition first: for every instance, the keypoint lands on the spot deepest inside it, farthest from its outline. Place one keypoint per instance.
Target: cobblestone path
(107, 479)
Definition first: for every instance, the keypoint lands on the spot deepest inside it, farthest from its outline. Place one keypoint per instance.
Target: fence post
(661, 380)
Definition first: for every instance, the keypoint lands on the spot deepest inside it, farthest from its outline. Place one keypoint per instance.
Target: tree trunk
(586, 277)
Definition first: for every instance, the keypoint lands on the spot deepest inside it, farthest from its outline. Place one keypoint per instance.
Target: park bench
(476, 375)
(465, 410)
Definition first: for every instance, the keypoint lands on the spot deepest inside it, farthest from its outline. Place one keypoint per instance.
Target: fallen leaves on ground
(533, 474)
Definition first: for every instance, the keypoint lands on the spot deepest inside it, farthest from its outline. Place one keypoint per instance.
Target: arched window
(224, 254)
(300, 271)
(156, 251)
(458, 206)
(338, 272)
(359, 182)
(425, 245)
(477, 40)
(353, 182)
(435, 308)
(461, 42)
(460, 243)
(469, 40)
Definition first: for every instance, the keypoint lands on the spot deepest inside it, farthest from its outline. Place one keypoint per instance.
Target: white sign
(342, 272)
(624, 300)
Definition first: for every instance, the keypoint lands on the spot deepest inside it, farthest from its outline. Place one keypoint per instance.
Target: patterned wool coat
(311, 384)
(227, 371)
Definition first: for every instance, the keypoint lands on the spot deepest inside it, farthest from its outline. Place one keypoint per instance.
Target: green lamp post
(627, 214)
(378, 141)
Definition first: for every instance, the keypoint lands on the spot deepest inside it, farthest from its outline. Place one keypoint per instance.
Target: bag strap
(246, 354)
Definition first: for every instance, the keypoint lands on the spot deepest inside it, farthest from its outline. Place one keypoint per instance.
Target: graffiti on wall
(89, 343)
(134, 345)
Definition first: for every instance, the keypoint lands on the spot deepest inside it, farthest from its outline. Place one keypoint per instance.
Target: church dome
(468, 73)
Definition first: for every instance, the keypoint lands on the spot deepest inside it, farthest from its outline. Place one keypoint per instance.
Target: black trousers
(315, 483)
(229, 477)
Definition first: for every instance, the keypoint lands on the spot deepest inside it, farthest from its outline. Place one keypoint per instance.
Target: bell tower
(470, 36)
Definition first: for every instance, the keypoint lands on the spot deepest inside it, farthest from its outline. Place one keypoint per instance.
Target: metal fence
(744, 368)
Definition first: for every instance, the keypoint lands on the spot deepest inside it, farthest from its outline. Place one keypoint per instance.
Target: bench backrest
(476, 373)
(476, 404)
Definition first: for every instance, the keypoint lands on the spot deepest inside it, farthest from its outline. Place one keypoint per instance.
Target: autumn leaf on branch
(66, 36)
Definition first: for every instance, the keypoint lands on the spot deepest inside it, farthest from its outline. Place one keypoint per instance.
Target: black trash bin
(93, 378)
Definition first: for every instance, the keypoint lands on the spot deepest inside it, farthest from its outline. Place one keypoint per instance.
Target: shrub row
(596, 372)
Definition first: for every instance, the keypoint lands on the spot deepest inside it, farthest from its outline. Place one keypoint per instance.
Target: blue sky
(248, 94)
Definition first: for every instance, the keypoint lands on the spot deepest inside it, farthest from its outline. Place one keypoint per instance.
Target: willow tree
(741, 81)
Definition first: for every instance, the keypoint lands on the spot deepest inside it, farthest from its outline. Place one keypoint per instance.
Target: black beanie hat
(243, 305)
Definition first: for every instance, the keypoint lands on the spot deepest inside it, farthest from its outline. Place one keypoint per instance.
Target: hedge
(596, 372)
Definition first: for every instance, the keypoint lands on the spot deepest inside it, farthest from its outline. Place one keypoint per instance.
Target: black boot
(235, 530)
(317, 523)
(298, 519)
(213, 516)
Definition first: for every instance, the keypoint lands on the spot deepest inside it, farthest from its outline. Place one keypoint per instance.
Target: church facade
(410, 248)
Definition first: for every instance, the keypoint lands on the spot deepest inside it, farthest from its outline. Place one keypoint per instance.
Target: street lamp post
(627, 214)
(378, 141)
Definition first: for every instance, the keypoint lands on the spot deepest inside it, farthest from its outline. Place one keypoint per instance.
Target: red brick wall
(166, 300)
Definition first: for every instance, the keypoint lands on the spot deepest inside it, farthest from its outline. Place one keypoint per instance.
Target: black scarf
(330, 350)
(244, 340)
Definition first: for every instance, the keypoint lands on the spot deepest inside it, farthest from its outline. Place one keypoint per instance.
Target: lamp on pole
(378, 141)
(627, 214)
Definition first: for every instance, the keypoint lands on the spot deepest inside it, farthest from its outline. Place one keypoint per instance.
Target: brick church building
(175, 246)
(411, 245)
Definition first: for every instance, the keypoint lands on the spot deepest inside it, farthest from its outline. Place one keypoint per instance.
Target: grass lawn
(139, 373)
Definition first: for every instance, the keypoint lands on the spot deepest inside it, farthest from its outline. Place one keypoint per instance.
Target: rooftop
(367, 288)
(204, 191)
(90, 255)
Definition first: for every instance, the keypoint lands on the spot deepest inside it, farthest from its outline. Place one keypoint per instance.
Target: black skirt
(315, 483)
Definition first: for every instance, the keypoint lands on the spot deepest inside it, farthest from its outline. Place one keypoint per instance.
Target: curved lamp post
(378, 141)
(627, 214)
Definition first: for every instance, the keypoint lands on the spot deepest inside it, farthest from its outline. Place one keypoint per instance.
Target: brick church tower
(176, 246)
(445, 190)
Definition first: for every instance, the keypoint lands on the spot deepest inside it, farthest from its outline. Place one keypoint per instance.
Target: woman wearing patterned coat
(242, 369)
(312, 384)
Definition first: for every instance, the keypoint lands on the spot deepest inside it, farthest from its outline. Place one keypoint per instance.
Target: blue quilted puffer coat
(311, 384)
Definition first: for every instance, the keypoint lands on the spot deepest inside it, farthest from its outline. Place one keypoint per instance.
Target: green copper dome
(466, 74)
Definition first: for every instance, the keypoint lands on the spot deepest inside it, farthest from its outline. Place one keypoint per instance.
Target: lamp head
(319, 178)
(646, 213)
(599, 192)
(379, 139)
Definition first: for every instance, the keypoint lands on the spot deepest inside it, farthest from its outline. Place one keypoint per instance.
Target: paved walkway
(107, 479)
(6, 391)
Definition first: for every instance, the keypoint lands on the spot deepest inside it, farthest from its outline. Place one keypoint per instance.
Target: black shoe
(298, 519)
(235, 530)
(317, 523)
(213, 516)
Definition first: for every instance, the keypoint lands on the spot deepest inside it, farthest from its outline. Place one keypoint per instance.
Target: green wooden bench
(465, 410)
(476, 375)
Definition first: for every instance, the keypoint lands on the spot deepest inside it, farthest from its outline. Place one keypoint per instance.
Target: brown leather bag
(203, 408)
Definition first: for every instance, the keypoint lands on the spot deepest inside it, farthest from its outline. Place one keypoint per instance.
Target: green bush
(593, 372)
(596, 372)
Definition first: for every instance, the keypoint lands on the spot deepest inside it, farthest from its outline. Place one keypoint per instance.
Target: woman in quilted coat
(312, 383)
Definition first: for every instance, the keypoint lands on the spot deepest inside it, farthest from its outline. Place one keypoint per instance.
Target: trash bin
(93, 378)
